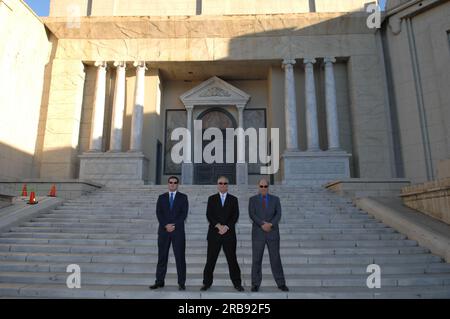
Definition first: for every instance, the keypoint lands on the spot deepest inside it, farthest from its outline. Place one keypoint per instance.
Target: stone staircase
(111, 234)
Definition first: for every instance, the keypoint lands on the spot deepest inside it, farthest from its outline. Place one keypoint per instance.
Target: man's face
(173, 185)
(222, 185)
(263, 187)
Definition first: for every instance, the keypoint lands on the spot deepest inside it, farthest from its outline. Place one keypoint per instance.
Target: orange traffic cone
(24, 190)
(32, 200)
(52, 191)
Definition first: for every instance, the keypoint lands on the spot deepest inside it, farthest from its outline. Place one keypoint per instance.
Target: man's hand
(170, 228)
(267, 227)
(222, 229)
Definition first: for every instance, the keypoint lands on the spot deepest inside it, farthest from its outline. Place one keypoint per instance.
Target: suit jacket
(177, 215)
(226, 215)
(259, 214)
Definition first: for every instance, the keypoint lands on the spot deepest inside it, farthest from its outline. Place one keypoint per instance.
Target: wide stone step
(298, 237)
(222, 292)
(13, 266)
(224, 280)
(298, 260)
(285, 235)
(308, 243)
(201, 251)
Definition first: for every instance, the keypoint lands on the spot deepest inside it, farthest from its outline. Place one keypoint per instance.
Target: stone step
(285, 235)
(15, 266)
(299, 260)
(201, 237)
(221, 292)
(224, 280)
(307, 243)
(201, 251)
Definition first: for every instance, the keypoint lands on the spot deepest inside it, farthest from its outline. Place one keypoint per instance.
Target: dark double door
(207, 174)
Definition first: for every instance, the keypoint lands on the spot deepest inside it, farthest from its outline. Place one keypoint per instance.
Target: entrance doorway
(207, 174)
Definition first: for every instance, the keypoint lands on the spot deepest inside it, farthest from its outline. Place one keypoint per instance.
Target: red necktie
(264, 201)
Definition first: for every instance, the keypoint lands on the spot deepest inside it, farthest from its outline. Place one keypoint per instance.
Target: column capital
(309, 61)
(120, 64)
(189, 107)
(240, 107)
(288, 63)
(140, 64)
(329, 60)
(100, 64)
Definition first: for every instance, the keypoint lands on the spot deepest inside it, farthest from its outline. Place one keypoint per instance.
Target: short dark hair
(173, 177)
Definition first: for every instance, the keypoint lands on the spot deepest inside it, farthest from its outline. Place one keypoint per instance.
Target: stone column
(241, 166)
(137, 121)
(118, 108)
(187, 167)
(98, 113)
(331, 105)
(290, 106)
(312, 129)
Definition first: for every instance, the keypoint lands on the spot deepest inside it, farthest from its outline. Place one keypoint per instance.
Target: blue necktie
(171, 200)
(223, 199)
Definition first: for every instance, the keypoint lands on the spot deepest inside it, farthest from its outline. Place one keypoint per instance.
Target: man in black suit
(171, 209)
(222, 213)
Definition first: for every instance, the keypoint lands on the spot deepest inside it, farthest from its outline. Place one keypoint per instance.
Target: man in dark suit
(171, 209)
(222, 213)
(265, 212)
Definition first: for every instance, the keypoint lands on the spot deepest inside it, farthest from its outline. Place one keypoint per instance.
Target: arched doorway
(207, 173)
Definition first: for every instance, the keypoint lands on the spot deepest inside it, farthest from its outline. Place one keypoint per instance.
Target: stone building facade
(94, 90)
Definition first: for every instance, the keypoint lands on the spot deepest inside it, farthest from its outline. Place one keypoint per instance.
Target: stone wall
(417, 41)
(24, 52)
(431, 198)
(195, 7)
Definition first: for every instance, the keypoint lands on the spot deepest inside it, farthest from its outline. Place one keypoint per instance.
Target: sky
(41, 7)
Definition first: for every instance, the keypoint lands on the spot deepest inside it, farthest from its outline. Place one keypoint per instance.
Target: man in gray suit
(265, 212)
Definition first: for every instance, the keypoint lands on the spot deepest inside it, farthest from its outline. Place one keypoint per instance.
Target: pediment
(215, 91)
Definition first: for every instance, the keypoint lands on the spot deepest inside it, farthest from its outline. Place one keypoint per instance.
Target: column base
(241, 174)
(187, 173)
(314, 168)
(114, 168)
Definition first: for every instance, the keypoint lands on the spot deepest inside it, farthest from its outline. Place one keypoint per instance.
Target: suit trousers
(275, 261)
(229, 248)
(179, 245)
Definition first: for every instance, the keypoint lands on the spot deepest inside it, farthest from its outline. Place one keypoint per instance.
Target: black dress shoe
(205, 287)
(156, 286)
(181, 287)
(239, 288)
(283, 288)
(255, 288)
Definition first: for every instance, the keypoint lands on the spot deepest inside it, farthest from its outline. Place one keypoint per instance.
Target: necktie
(264, 201)
(171, 200)
(223, 199)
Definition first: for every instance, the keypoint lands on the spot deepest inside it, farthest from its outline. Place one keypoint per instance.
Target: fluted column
(241, 137)
(137, 121)
(331, 105)
(241, 166)
(98, 114)
(118, 108)
(187, 167)
(312, 128)
(188, 153)
(290, 106)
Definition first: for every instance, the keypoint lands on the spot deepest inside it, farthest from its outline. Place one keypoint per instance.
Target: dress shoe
(255, 288)
(156, 286)
(181, 287)
(239, 288)
(283, 288)
(205, 287)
